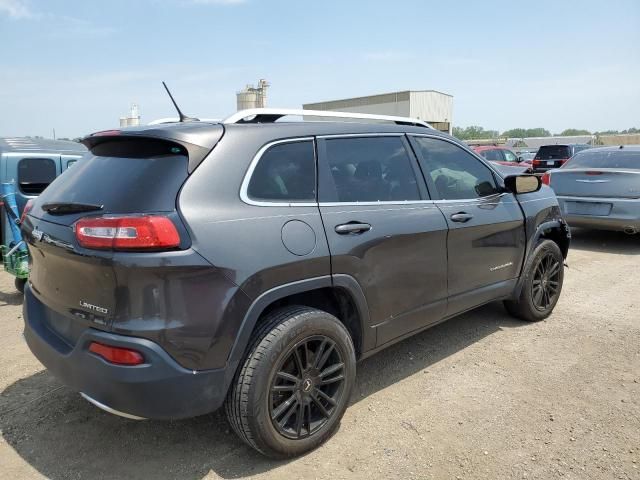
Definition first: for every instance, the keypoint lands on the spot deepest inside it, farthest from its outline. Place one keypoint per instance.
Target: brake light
(27, 208)
(117, 355)
(143, 232)
(535, 162)
(546, 178)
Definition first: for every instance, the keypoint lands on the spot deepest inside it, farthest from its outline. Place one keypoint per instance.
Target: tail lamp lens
(117, 355)
(546, 178)
(145, 232)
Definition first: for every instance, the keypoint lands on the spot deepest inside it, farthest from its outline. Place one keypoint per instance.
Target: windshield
(625, 159)
(550, 152)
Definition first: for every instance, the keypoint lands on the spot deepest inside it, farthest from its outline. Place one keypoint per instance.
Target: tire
(19, 284)
(281, 376)
(540, 293)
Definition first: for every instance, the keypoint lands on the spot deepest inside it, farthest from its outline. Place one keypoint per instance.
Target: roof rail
(270, 115)
(160, 121)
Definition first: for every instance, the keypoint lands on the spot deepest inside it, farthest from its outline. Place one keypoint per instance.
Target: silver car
(599, 188)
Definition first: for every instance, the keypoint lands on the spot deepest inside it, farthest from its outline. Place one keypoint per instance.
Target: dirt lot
(481, 396)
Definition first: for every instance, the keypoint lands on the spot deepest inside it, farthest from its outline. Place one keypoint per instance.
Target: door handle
(461, 217)
(352, 228)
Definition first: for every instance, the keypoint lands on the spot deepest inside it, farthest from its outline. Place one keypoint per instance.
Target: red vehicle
(501, 155)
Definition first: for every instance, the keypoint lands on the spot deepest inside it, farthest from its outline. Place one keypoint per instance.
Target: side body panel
(246, 242)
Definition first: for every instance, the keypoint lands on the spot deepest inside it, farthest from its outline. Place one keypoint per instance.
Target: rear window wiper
(62, 208)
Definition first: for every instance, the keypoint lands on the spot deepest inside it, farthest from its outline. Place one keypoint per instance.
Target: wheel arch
(556, 230)
(339, 295)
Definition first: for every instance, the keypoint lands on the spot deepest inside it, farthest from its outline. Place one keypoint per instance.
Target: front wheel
(295, 383)
(542, 284)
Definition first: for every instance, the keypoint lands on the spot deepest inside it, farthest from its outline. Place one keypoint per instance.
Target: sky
(77, 65)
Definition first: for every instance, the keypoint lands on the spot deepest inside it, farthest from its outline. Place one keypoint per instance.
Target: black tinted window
(456, 173)
(606, 159)
(371, 169)
(35, 174)
(551, 152)
(285, 172)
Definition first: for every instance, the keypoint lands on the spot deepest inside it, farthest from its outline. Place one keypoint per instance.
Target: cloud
(72, 26)
(16, 9)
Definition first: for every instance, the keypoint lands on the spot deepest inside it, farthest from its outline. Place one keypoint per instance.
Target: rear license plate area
(551, 163)
(599, 209)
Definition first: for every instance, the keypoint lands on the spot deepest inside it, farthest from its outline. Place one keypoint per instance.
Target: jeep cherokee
(250, 263)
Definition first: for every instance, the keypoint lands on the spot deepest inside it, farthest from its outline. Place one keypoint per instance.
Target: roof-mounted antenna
(182, 116)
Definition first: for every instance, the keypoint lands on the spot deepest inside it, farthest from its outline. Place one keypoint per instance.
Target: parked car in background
(554, 156)
(527, 155)
(31, 164)
(250, 263)
(501, 156)
(600, 188)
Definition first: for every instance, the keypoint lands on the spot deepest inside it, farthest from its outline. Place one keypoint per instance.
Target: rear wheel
(295, 383)
(542, 284)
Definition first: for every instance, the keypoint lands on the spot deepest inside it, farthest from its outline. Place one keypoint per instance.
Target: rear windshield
(607, 159)
(550, 152)
(128, 177)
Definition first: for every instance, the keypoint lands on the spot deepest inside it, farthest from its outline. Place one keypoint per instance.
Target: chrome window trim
(244, 187)
(332, 136)
(244, 196)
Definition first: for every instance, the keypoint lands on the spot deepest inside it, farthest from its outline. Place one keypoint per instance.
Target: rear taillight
(546, 178)
(27, 208)
(117, 355)
(144, 232)
(535, 163)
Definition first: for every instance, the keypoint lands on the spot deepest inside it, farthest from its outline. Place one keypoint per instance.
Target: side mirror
(520, 184)
(520, 159)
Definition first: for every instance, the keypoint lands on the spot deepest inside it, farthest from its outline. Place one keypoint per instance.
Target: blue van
(31, 164)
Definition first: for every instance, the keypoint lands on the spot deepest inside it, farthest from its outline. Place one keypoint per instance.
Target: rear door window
(454, 172)
(35, 174)
(492, 155)
(285, 172)
(370, 169)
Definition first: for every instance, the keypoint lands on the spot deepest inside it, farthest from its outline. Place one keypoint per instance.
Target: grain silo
(253, 97)
(133, 120)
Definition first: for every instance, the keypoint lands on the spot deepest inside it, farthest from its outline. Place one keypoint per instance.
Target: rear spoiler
(197, 138)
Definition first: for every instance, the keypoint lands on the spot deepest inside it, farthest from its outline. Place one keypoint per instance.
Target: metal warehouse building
(431, 106)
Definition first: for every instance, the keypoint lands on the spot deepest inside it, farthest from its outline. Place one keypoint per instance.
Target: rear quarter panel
(244, 242)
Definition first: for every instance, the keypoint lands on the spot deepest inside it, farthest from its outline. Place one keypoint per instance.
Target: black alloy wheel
(307, 387)
(545, 286)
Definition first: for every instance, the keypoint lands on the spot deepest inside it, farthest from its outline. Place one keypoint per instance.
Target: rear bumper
(624, 214)
(160, 388)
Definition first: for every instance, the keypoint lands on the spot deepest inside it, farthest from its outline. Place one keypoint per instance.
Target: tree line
(476, 132)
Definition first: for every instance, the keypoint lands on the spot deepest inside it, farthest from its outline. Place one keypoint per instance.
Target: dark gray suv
(250, 263)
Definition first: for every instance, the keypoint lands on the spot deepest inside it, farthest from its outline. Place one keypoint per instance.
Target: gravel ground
(480, 396)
